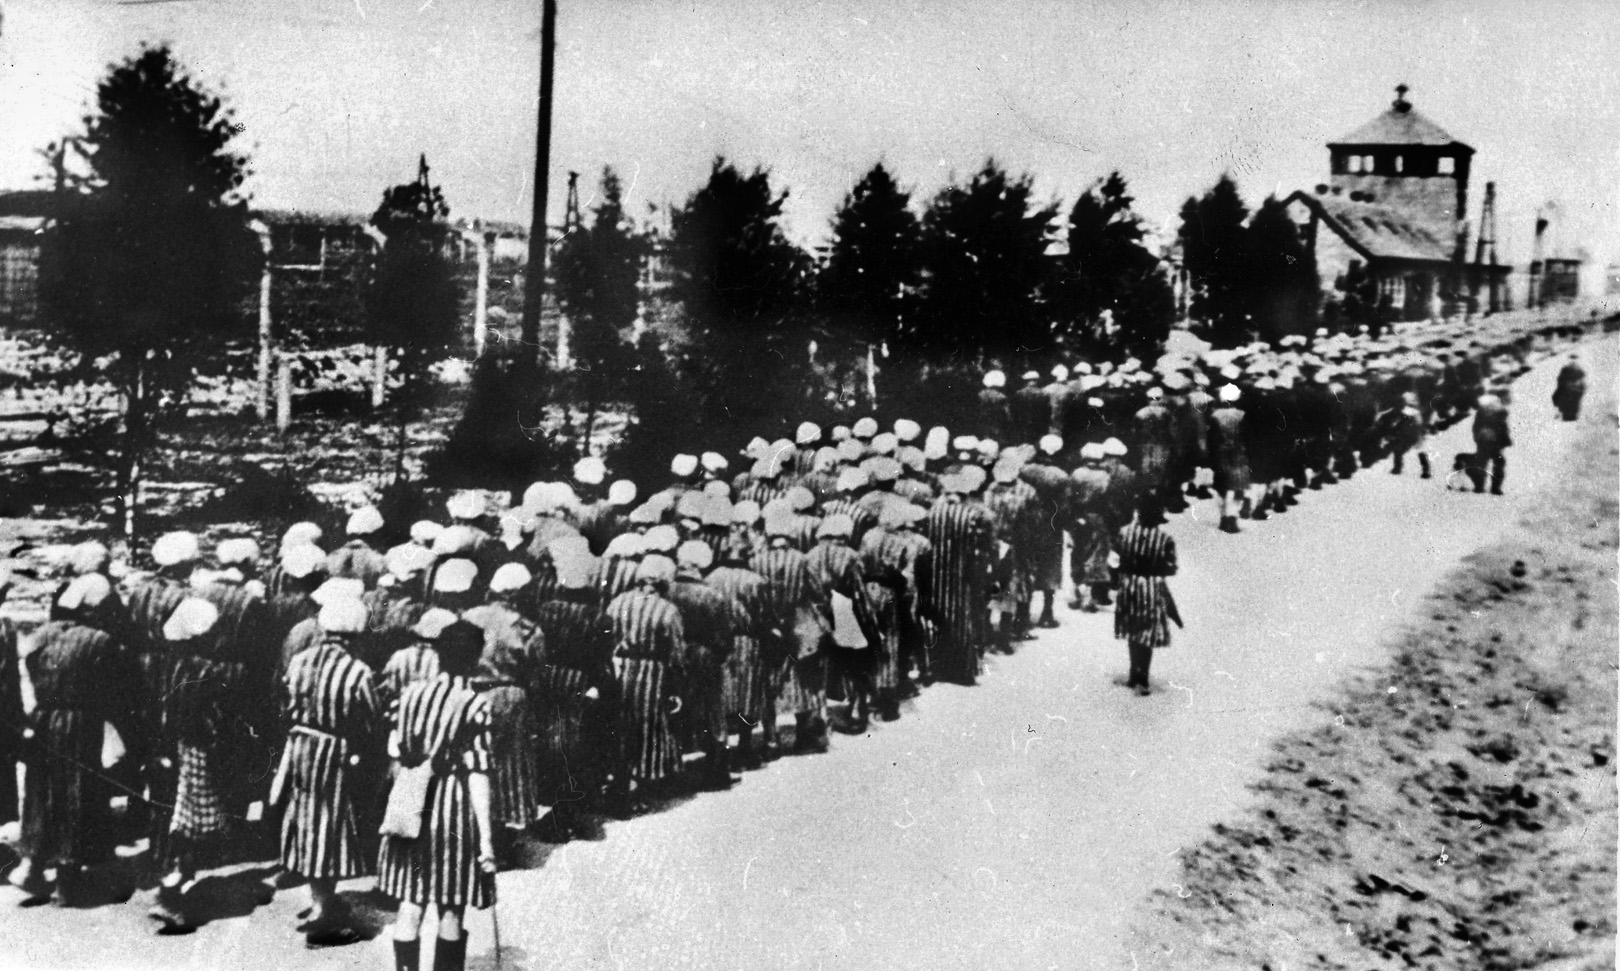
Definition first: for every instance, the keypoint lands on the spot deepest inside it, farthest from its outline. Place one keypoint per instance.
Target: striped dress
(331, 711)
(706, 623)
(249, 744)
(1012, 508)
(963, 537)
(648, 640)
(1052, 513)
(795, 667)
(390, 616)
(744, 690)
(505, 671)
(574, 738)
(80, 677)
(863, 514)
(889, 562)
(617, 575)
(446, 721)
(1142, 612)
(1227, 453)
(409, 665)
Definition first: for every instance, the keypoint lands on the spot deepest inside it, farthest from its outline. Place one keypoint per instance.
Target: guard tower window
(1355, 163)
(1400, 164)
(1367, 163)
(1447, 165)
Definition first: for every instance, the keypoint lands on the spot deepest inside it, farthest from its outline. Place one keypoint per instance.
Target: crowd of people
(405, 700)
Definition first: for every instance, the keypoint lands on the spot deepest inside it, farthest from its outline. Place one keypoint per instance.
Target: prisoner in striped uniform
(963, 537)
(649, 641)
(793, 660)
(851, 650)
(1011, 502)
(451, 862)
(706, 623)
(151, 603)
(329, 768)
(1147, 555)
(80, 676)
(574, 692)
(416, 662)
(743, 699)
(1051, 516)
(505, 671)
(889, 561)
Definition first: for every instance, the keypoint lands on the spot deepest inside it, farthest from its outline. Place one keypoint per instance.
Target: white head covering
(1051, 444)
(465, 506)
(344, 616)
(714, 462)
(808, 433)
(455, 576)
(590, 470)
(683, 465)
(509, 577)
(433, 622)
(1092, 452)
(425, 531)
(238, 550)
(695, 554)
(194, 617)
(622, 492)
(995, 379)
(364, 521)
(906, 430)
(301, 560)
(1114, 447)
(175, 549)
(1230, 392)
(338, 588)
(85, 590)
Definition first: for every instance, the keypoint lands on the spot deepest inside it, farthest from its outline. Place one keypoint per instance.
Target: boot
(169, 912)
(1246, 510)
(1021, 624)
(1399, 463)
(1047, 620)
(1102, 595)
(1229, 524)
(450, 955)
(407, 955)
(1423, 463)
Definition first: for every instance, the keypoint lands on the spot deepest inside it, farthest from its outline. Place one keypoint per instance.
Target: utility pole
(535, 280)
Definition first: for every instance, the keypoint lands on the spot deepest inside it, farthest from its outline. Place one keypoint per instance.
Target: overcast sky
(339, 96)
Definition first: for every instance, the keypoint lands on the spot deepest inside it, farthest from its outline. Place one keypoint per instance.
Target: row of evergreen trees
(149, 263)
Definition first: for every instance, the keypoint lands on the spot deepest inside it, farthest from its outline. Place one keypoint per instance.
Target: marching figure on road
(80, 676)
(1571, 389)
(1490, 439)
(1142, 616)
(1228, 455)
(440, 740)
(326, 774)
(649, 643)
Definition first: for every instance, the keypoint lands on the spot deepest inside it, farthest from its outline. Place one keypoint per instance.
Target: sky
(338, 97)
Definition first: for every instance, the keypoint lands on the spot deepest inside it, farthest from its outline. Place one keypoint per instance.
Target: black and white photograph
(883, 485)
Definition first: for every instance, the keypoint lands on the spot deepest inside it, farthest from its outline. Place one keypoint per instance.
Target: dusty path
(1018, 824)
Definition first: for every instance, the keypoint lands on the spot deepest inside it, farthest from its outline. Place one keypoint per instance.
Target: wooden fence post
(283, 394)
(266, 346)
(379, 376)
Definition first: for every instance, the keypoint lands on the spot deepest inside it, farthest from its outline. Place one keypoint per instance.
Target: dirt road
(1018, 824)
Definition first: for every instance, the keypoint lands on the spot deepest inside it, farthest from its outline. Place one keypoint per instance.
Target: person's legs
(450, 950)
(1498, 468)
(406, 931)
(1141, 661)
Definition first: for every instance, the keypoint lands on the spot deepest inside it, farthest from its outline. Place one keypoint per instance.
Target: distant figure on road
(1571, 389)
(1145, 608)
(1490, 439)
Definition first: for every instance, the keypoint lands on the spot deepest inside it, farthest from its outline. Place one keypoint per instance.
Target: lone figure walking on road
(1142, 614)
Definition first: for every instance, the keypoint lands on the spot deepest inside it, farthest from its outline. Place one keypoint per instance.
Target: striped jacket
(646, 627)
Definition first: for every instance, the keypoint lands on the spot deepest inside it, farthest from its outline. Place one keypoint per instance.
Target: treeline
(908, 304)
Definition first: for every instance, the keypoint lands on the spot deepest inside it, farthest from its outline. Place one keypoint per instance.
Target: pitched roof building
(1394, 208)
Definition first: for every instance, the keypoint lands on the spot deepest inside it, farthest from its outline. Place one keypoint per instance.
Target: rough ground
(1457, 809)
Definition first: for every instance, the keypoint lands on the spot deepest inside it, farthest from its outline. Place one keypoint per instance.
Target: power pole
(535, 280)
